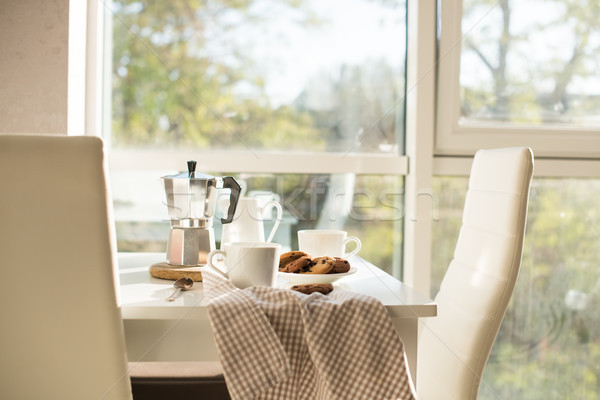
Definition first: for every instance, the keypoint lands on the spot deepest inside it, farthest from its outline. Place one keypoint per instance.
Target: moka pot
(191, 201)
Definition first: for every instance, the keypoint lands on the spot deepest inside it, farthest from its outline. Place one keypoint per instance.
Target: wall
(33, 66)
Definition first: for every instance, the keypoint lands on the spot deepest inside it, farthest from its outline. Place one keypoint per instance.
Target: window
(258, 75)
(367, 206)
(519, 66)
(549, 342)
(308, 96)
(523, 73)
(514, 75)
(283, 95)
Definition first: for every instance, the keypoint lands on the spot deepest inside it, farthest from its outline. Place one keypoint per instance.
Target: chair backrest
(454, 346)
(62, 333)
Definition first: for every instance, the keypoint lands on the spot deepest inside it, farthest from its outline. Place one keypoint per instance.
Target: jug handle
(230, 183)
(275, 204)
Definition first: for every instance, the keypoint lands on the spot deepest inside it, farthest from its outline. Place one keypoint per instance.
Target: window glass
(261, 74)
(367, 206)
(548, 346)
(530, 62)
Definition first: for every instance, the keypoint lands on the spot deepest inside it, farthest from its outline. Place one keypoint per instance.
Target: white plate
(314, 278)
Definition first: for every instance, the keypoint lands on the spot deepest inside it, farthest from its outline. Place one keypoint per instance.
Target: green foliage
(173, 87)
(526, 76)
(451, 192)
(376, 218)
(546, 349)
(190, 74)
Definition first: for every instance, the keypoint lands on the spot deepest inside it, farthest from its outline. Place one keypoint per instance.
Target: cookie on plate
(319, 265)
(298, 265)
(309, 288)
(289, 257)
(340, 266)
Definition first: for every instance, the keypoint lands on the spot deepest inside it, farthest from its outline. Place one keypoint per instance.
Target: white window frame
(420, 114)
(250, 161)
(454, 139)
(78, 48)
(261, 162)
(543, 167)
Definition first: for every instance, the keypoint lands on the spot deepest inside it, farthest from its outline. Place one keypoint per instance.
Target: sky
(291, 52)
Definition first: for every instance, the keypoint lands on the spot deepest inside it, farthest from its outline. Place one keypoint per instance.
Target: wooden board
(164, 270)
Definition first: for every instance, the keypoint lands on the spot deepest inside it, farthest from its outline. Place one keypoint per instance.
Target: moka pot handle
(230, 183)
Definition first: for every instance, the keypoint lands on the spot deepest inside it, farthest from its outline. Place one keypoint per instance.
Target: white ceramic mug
(323, 242)
(248, 263)
(247, 224)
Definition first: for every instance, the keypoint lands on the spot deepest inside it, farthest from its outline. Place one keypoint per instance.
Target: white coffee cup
(248, 263)
(323, 242)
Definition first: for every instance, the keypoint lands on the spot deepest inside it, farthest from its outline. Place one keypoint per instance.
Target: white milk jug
(247, 224)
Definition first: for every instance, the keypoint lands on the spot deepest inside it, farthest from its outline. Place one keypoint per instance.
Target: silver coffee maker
(191, 200)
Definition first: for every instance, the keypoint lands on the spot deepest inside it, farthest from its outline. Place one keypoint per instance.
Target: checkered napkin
(281, 344)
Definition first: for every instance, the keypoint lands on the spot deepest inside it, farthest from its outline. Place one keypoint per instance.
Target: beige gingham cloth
(281, 344)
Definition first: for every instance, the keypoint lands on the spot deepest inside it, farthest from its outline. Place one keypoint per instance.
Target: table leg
(408, 330)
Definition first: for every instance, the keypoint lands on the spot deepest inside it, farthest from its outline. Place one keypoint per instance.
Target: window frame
(259, 162)
(455, 139)
(223, 160)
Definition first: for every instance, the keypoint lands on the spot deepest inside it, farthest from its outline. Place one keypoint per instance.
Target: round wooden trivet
(164, 270)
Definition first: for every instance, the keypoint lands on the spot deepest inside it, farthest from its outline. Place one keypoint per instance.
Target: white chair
(454, 346)
(62, 334)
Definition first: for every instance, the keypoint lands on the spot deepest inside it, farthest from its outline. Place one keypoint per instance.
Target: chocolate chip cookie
(340, 266)
(323, 288)
(289, 257)
(300, 264)
(319, 265)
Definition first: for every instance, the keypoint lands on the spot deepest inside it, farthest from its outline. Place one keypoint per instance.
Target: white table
(156, 330)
